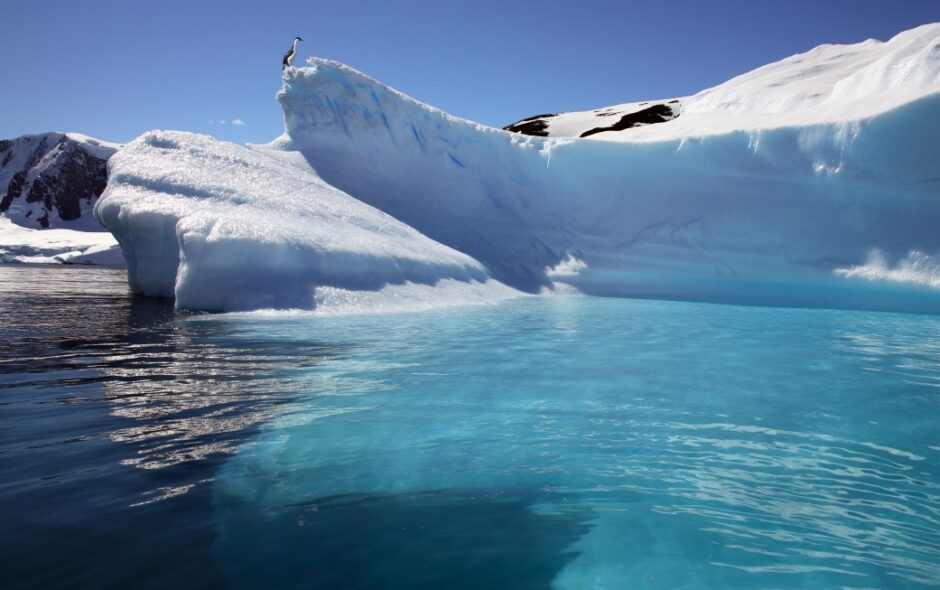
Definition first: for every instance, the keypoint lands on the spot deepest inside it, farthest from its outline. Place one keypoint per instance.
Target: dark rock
(13, 189)
(532, 125)
(53, 175)
(659, 113)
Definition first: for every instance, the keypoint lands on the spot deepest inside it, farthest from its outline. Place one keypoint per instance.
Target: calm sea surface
(543, 443)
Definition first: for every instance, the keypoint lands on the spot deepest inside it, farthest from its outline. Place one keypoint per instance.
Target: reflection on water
(202, 387)
(544, 443)
(188, 388)
(95, 382)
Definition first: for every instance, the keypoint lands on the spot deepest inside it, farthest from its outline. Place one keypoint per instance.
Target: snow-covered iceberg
(224, 227)
(775, 187)
(759, 191)
(831, 83)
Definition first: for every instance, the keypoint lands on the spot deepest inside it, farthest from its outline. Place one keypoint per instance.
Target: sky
(115, 69)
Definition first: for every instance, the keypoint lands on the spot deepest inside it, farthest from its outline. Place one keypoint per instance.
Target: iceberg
(223, 227)
(773, 188)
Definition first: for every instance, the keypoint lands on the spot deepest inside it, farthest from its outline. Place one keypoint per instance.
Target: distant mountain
(604, 120)
(53, 179)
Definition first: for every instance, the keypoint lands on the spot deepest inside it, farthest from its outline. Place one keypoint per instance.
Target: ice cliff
(811, 181)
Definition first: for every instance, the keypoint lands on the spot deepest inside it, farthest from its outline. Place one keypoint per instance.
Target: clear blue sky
(113, 69)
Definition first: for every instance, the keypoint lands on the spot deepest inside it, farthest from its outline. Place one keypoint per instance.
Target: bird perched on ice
(291, 54)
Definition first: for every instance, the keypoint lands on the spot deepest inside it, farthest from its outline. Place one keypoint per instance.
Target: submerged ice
(769, 188)
(595, 443)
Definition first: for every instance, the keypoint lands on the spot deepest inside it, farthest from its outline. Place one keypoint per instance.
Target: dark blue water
(544, 443)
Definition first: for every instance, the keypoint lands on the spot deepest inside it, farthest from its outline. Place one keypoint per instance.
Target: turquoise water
(599, 443)
(542, 443)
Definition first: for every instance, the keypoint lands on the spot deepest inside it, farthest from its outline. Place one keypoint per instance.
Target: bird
(291, 54)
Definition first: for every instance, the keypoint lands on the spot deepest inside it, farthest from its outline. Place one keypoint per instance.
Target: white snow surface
(102, 149)
(772, 188)
(27, 245)
(224, 227)
(831, 83)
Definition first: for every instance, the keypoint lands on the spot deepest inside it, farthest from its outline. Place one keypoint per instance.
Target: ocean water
(541, 443)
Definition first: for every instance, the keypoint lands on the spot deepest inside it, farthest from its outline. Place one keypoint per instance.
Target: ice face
(771, 193)
(224, 227)
(768, 189)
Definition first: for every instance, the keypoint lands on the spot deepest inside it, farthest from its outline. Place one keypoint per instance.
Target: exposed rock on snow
(829, 84)
(52, 178)
(609, 119)
(659, 113)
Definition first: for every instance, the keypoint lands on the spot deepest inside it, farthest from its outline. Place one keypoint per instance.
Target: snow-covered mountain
(811, 181)
(52, 180)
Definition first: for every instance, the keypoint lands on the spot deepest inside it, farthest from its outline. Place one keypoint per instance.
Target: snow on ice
(772, 188)
(224, 227)
(28, 245)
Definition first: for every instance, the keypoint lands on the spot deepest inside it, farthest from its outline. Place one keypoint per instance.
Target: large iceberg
(224, 227)
(811, 181)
